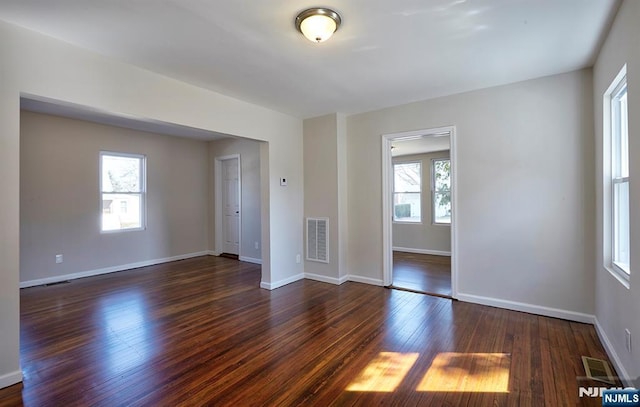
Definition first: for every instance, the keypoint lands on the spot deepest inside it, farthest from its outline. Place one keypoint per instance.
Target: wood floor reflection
(201, 332)
(422, 273)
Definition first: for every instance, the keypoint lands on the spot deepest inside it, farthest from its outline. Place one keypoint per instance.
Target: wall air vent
(318, 239)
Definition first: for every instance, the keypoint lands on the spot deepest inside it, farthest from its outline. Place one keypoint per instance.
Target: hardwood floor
(201, 332)
(422, 273)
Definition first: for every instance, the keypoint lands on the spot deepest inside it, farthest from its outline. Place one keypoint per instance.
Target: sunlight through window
(468, 372)
(384, 373)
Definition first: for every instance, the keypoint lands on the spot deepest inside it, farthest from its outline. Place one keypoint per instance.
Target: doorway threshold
(395, 287)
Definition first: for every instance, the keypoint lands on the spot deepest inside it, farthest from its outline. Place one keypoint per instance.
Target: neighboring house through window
(407, 190)
(123, 191)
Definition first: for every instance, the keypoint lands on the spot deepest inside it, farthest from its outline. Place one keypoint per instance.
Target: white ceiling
(387, 52)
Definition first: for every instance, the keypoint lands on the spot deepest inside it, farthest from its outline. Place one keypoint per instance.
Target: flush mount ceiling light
(318, 24)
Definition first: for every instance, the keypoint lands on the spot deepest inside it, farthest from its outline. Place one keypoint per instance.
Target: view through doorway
(420, 203)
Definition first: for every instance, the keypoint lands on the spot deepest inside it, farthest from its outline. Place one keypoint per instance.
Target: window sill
(109, 232)
(619, 275)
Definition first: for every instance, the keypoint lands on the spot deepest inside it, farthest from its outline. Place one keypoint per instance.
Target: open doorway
(418, 191)
(228, 202)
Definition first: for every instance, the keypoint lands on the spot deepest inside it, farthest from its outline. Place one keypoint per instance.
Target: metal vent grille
(598, 369)
(317, 239)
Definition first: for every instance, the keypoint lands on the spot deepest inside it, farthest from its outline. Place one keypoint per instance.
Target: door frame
(387, 200)
(218, 205)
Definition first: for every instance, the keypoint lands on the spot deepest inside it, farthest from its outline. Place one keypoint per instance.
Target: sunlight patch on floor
(384, 373)
(468, 372)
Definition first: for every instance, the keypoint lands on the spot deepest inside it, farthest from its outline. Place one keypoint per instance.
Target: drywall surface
(41, 67)
(60, 203)
(525, 203)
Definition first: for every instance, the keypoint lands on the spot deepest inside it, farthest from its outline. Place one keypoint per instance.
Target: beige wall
(424, 236)
(617, 306)
(249, 151)
(524, 165)
(60, 200)
(325, 190)
(37, 65)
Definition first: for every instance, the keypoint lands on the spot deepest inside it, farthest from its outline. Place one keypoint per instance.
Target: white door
(230, 206)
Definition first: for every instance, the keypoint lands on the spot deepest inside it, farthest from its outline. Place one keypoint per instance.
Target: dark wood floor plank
(201, 332)
(422, 273)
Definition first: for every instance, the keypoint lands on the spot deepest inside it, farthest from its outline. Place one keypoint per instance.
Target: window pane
(406, 207)
(442, 207)
(406, 177)
(441, 175)
(621, 225)
(121, 174)
(121, 211)
(620, 134)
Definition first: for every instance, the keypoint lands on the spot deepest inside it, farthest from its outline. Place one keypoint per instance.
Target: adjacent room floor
(201, 332)
(422, 273)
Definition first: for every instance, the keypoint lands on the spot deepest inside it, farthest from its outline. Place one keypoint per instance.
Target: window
(407, 191)
(441, 190)
(617, 136)
(122, 186)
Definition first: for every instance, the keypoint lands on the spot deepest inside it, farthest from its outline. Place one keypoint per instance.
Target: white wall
(60, 201)
(617, 307)
(38, 65)
(525, 191)
(249, 151)
(424, 236)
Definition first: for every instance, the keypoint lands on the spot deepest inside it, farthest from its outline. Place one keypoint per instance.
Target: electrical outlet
(58, 258)
(627, 336)
(256, 245)
(298, 258)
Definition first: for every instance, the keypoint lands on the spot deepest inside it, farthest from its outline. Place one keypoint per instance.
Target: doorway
(228, 199)
(419, 226)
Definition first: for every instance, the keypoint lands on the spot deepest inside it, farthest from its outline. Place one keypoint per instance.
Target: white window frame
(611, 156)
(433, 190)
(394, 192)
(142, 193)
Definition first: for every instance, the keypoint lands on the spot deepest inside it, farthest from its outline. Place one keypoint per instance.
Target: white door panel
(231, 206)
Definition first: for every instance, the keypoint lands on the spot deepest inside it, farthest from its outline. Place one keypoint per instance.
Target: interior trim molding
(529, 308)
(107, 270)
(280, 283)
(623, 375)
(213, 253)
(250, 260)
(10, 379)
(365, 280)
(325, 279)
(422, 251)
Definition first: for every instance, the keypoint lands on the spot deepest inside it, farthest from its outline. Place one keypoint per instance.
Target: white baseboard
(325, 279)
(10, 379)
(250, 260)
(613, 355)
(213, 253)
(365, 280)
(106, 270)
(530, 308)
(421, 251)
(283, 282)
